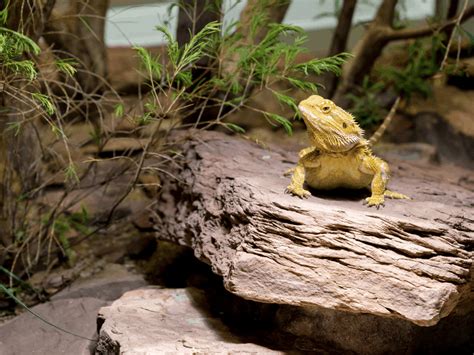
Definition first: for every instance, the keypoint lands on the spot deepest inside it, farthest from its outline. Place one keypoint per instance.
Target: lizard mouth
(308, 117)
(312, 121)
(325, 136)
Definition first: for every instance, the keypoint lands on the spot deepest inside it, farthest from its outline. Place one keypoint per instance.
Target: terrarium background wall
(132, 22)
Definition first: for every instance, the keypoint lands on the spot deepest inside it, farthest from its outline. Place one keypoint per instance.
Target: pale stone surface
(27, 334)
(173, 321)
(445, 120)
(410, 260)
(418, 152)
(108, 285)
(453, 146)
(155, 321)
(73, 309)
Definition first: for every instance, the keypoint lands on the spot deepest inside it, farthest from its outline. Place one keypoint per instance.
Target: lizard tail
(386, 122)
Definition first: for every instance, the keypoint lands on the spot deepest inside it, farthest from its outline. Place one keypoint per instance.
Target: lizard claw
(297, 191)
(376, 201)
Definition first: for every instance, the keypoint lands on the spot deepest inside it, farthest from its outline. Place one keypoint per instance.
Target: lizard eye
(325, 109)
(344, 125)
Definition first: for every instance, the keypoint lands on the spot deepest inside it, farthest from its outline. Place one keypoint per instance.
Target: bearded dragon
(339, 155)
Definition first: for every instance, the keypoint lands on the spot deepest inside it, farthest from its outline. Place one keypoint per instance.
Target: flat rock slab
(74, 309)
(411, 260)
(108, 285)
(27, 334)
(173, 321)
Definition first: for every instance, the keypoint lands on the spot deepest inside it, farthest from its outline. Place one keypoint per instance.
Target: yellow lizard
(339, 156)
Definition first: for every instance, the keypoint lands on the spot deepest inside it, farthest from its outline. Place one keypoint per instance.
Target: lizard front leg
(380, 171)
(308, 159)
(301, 154)
(297, 181)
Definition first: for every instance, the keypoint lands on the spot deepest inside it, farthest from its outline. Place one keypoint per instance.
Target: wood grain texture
(411, 259)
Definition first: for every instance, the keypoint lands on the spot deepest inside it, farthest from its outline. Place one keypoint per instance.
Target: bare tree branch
(341, 32)
(452, 9)
(339, 41)
(385, 13)
(427, 30)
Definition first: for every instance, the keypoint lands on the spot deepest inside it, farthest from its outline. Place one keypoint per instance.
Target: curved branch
(452, 9)
(339, 41)
(385, 13)
(341, 32)
(427, 30)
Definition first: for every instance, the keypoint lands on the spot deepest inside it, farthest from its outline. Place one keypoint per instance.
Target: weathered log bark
(411, 260)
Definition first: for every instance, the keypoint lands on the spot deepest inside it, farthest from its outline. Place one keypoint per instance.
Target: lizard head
(330, 128)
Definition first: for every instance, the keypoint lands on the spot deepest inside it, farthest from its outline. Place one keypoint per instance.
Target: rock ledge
(410, 260)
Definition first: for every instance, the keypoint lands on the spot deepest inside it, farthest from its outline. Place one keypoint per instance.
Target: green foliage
(198, 46)
(25, 68)
(422, 64)
(12, 276)
(234, 128)
(96, 135)
(28, 96)
(145, 119)
(15, 127)
(64, 224)
(67, 66)
(365, 106)
(274, 58)
(12, 46)
(16, 49)
(118, 110)
(237, 65)
(320, 66)
(150, 63)
(44, 101)
(286, 100)
(16, 43)
(182, 59)
(17, 285)
(70, 173)
(412, 79)
(275, 118)
(4, 14)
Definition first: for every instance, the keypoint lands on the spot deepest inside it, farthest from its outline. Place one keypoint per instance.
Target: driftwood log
(410, 260)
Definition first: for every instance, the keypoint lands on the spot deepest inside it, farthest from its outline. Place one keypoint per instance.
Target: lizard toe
(297, 191)
(376, 201)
